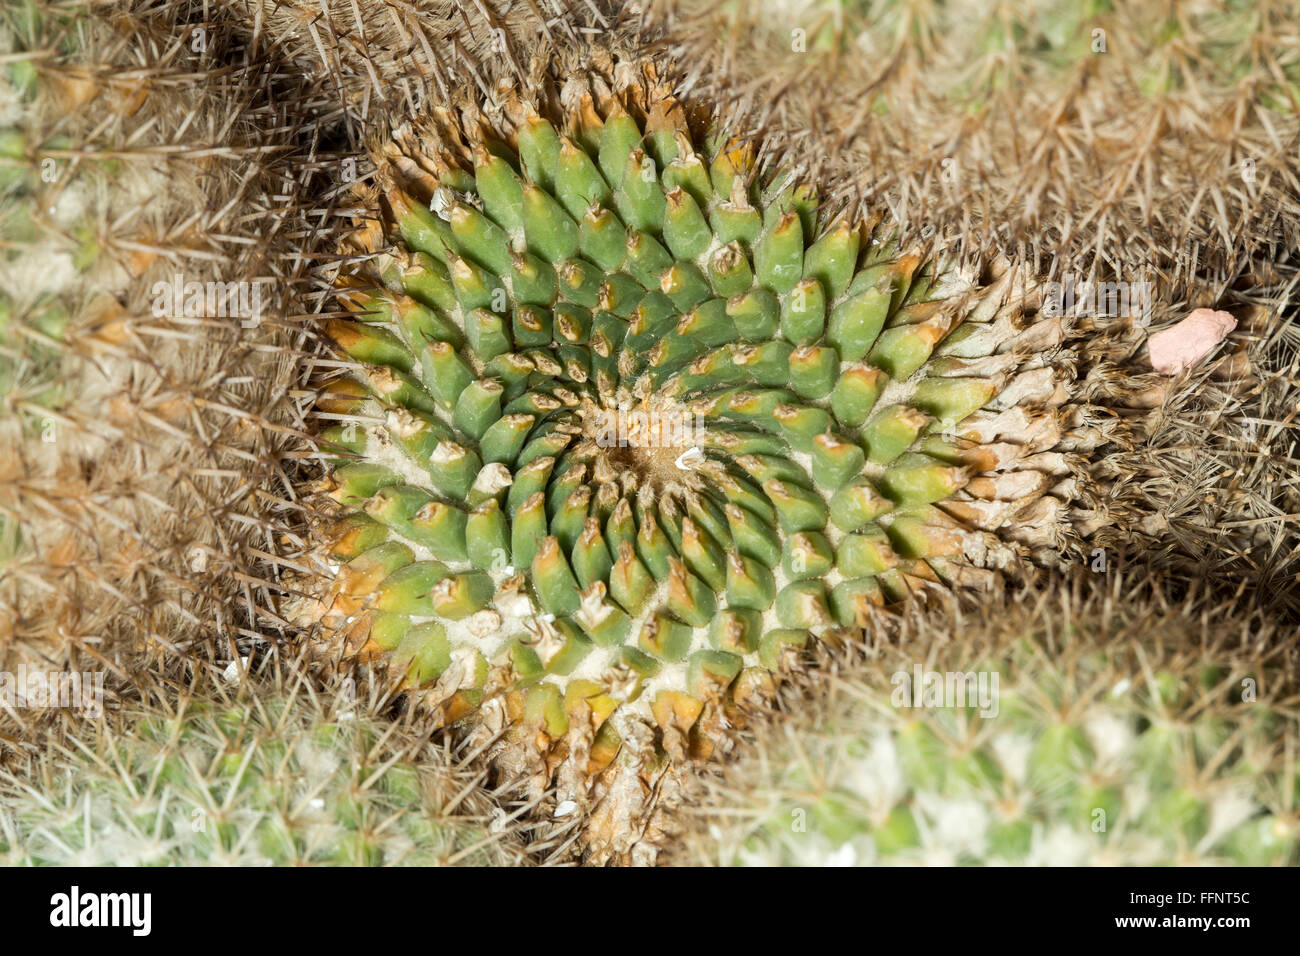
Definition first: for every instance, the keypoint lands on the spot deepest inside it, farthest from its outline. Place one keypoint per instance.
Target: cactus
(270, 776)
(628, 423)
(1114, 734)
(109, 185)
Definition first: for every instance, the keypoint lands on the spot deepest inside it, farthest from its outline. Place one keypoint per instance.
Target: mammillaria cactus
(46, 242)
(626, 424)
(110, 171)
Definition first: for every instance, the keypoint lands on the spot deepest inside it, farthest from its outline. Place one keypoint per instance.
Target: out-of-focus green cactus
(1088, 738)
(271, 778)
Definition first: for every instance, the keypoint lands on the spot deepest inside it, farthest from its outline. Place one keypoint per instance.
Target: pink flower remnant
(1181, 346)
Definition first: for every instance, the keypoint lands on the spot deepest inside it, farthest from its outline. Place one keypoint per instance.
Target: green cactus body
(635, 386)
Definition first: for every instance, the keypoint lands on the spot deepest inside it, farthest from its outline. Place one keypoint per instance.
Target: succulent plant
(270, 776)
(627, 423)
(1115, 734)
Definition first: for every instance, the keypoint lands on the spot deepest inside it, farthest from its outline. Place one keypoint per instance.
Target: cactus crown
(625, 425)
